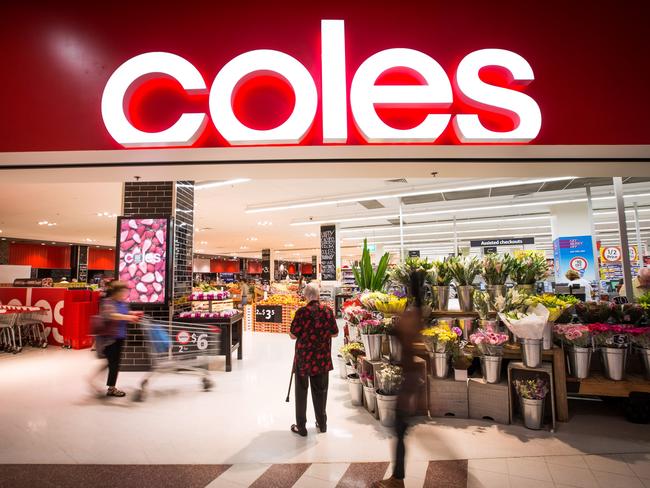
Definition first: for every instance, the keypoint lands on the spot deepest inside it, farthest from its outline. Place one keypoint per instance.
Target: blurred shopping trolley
(178, 347)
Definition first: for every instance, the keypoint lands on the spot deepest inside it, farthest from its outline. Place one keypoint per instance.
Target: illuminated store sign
(435, 92)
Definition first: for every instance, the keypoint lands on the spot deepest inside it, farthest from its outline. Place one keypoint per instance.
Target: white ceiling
(224, 226)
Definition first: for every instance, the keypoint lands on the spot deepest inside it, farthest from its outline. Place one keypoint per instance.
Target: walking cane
(293, 371)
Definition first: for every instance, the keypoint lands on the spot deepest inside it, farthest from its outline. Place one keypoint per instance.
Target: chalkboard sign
(328, 252)
(266, 265)
(268, 313)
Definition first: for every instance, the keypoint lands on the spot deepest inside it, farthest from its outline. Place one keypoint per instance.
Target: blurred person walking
(114, 314)
(312, 327)
(408, 333)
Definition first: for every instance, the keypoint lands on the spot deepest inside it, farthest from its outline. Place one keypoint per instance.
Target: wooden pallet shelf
(598, 385)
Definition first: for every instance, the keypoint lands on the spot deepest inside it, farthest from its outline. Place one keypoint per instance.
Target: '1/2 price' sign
(268, 313)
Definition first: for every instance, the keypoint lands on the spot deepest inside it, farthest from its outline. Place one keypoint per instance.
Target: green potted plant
(464, 271)
(366, 276)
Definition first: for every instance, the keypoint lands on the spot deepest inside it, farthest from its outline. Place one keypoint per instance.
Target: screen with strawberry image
(142, 261)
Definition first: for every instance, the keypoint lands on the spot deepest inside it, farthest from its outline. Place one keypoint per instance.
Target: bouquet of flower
(496, 269)
(489, 341)
(594, 312)
(529, 325)
(533, 389)
(351, 351)
(567, 315)
(369, 299)
(355, 315)
(555, 305)
(440, 275)
(464, 270)
(441, 338)
(640, 337)
(482, 304)
(573, 334)
(389, 379)
(367, 379)
(513, 301)
(529, 269)
(606, 335)
(371, 326)
(390, 304)
(629, 313)
(460, 358)
(391, 324)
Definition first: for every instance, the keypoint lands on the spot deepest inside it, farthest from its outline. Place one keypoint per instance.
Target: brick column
(164, 199)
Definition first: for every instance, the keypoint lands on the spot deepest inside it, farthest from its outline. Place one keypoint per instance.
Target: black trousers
(319, 384)
(113, 354)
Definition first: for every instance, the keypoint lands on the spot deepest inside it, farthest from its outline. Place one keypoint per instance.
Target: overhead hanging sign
(502, 241)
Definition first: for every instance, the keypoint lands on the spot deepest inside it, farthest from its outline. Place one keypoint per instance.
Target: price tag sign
(269, 314)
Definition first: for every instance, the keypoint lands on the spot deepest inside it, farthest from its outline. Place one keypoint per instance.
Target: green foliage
(464, 270)
(364, 274)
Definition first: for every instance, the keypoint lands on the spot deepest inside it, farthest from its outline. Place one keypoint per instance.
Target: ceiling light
(432, 191)
(243, 247)
(460, 210)
(203, 242)
(252, 239)
(264, 223)
(289, 244)
(214, 184)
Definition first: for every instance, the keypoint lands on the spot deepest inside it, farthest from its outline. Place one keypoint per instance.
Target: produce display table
(231, 335)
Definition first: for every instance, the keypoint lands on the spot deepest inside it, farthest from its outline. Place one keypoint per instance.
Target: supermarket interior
(221, 265)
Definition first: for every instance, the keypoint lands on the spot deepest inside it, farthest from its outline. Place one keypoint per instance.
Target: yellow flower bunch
(440, 333)
(554, 304)
(390, 304)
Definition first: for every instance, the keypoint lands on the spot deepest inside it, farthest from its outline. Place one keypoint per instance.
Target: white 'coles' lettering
(365, 94)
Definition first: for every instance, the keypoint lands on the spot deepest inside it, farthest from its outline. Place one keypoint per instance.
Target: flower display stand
(517, 370)
(488, 401)
(448, 398)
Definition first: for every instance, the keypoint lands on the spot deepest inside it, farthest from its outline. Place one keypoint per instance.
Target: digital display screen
(142, 259)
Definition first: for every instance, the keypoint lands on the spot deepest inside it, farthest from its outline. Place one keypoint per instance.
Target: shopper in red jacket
(312, 327)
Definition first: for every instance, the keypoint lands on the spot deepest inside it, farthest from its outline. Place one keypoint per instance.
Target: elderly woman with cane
(313, 327)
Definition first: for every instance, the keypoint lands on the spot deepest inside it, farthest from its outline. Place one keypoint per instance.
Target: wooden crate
(488, 401)
(282, 328)
(448, 398)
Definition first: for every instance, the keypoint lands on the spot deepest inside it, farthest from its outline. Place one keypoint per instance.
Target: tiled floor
(241, 428)
(620, 471)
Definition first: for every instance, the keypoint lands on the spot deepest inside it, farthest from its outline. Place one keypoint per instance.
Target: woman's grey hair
(312, 292)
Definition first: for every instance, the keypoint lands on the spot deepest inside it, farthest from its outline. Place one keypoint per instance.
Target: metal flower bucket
(579, 361)
(356, 389)
(614, 360)
(370, 398)
(645, 355)
(372, 345)
(395, 349)
(387, 407)
(531, 350)
(440, 297)
(467, 326)
(343, 373)
(440, 361)
(466, 297)
(496, 290)
(491, 367)
(533, 413)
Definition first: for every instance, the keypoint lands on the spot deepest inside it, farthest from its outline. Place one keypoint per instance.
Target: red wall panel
(254, 267)
(307, 269)
(224, 266)
(39, 256)
(101, 259)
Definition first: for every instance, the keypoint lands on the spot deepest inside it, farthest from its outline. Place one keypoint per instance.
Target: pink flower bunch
(606, 335)
(371, 326)
(640, 337)
(573, 334)
(458, 331)
(223, 314)
(355, 315)
(489, 341)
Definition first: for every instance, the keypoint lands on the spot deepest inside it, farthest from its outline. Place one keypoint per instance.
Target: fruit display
(288, 300)
(143, 259)
(284, 288)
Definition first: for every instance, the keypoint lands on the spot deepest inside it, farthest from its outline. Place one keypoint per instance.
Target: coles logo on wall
(436, 92)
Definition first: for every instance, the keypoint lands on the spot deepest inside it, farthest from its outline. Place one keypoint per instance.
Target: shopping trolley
(7, 331)
(31, 328)
(177, 347)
